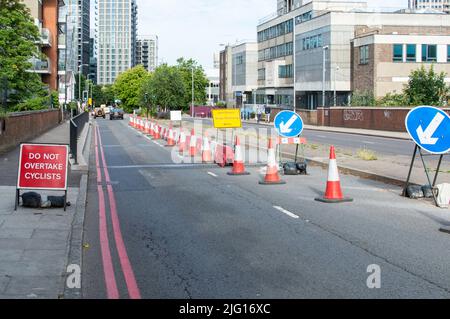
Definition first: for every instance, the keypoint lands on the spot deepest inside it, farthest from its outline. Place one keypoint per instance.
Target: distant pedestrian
(267, 111)
(259, 113)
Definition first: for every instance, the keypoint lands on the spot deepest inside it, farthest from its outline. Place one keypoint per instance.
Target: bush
(363, 98)
(393, 99)
(33, 104)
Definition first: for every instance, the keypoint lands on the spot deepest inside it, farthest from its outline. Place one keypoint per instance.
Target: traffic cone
(130, 121)
(152, 133)
(157, 130)
(333, 193)
(238, 164)
(170, 140)
(206, 150)
(193, 144)
(147, 127)
(272, 177)
(182, 143)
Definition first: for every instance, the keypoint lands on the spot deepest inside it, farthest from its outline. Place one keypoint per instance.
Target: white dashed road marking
(212, 174)
(284, 211)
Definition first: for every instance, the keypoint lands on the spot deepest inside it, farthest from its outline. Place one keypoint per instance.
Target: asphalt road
(195, 232)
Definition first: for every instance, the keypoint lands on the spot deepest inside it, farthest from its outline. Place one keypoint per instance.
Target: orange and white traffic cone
(170, 139)
(152, 132)
(193, 144)
(182, 143)
(238, 164)
(157, 132)
(206, 150)
(130, 121)
(272, 176)
(333, 193)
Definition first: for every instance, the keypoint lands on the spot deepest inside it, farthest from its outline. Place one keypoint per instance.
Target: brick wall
(384, 119)
(308, 117)
(24, 126)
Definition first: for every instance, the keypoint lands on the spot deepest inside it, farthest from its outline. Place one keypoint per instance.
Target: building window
(448, 53)
(429, 53)
(398, 53)
(411, 53)
(364, 54)
(285, 71)
(312, 42)
(261, 74)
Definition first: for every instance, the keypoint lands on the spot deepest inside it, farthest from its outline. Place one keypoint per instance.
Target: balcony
(46, 38)
(41, 66)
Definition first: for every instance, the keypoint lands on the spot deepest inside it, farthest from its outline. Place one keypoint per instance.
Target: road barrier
(193, 144)
(76, 127)
(206, 150)
(333, 193)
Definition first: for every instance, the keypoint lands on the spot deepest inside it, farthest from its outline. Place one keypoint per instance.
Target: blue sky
(196, 28)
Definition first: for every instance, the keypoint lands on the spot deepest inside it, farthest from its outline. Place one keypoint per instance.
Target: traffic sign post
(42, 167)
(289, 125)
(429, 128)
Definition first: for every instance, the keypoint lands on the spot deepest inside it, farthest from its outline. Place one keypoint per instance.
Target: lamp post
(324, 49)
(334, 94)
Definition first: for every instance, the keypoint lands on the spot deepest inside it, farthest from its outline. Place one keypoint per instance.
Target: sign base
(334, 201)
(445, 229)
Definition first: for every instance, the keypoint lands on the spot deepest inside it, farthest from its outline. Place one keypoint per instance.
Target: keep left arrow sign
(426, 137)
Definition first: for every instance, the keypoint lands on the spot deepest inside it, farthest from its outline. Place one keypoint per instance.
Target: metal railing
(77, 124)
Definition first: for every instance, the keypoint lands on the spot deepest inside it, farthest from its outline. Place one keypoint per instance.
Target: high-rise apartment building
(439, 5)
(45, 14)
(116, 38)
(147, 52)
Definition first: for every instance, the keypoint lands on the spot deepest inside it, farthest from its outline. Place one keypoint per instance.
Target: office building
(225, 76)
(341, 47)
(116, 38)
(92, 62)
(244, 73)
(438, 5)
(147, 52)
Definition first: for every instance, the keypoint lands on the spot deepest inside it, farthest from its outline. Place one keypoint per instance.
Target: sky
(196, 28)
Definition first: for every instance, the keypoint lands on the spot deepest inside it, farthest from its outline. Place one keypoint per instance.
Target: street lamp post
(324, 49)
(334, 94)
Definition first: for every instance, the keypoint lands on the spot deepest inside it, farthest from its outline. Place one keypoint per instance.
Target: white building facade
(116, 38)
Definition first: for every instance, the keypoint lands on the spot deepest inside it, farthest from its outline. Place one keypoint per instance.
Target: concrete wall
(385, 119)
(24, 126)
(308, 117)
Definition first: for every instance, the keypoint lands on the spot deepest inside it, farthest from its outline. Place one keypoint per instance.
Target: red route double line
(108, 268)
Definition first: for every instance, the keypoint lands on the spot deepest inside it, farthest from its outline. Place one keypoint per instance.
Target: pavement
(159, 230)
(35, 243)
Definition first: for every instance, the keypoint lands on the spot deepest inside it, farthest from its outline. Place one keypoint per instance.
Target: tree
(200, 82)
(128, 87)
(427, 88)
(103, 94)
(165, 87)
(18, 38)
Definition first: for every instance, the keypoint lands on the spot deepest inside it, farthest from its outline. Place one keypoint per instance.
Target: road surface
(158, 230)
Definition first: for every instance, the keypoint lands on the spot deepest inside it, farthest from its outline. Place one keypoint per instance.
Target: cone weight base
(238, 174)
(334, 201)
(272, 183)
(445, 229)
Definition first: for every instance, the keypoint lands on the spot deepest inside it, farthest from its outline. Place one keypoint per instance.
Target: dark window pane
(398, 53)
(411, 53)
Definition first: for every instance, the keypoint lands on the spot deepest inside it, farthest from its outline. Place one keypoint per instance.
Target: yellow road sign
(227, 118)
(90, 102)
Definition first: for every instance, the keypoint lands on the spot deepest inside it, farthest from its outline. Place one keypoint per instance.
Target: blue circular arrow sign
(429, 127)
(288, 124)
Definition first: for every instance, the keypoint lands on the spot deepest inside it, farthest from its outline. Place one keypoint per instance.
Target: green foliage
(18, 38)
(3, 114)
(165, 88)
(427, 88)
(200, 82)
(34, 104)
(363, 98)
(128, 87)
(393, 99)
(221, 104)
(103, 94)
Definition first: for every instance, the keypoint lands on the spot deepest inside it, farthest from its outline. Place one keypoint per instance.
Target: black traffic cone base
(334, 201)
(281, 182)
(238, 174)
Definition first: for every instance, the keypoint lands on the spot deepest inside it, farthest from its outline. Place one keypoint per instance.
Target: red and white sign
(292, 140)
(43, 166)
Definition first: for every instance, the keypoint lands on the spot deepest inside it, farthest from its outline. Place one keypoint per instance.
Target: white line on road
(321, 136)
(284, 211)
(367, 142)
(212, 174)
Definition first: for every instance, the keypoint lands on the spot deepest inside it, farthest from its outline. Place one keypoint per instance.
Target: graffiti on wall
(353, 115)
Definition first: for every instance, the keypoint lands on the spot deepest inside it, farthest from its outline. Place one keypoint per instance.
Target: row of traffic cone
(333, 193)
